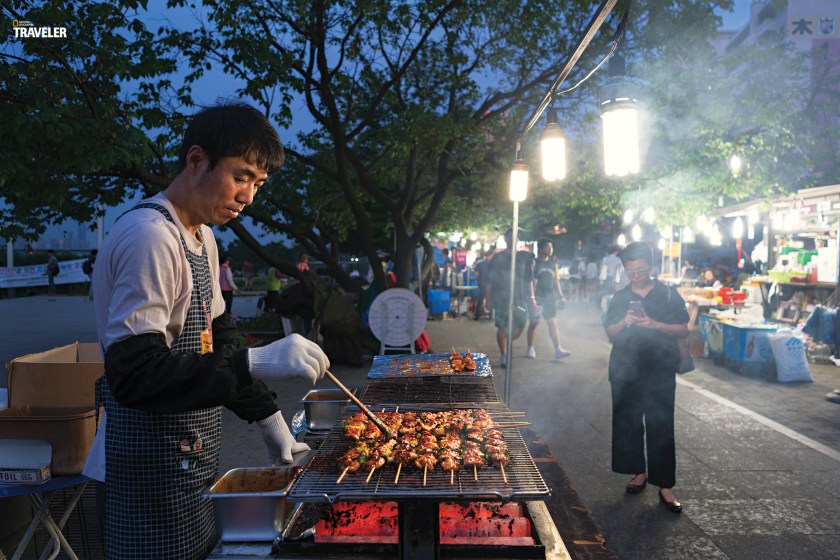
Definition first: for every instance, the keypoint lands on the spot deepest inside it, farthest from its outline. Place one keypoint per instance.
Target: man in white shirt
(171, 353)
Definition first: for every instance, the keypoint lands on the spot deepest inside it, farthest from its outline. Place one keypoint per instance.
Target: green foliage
(406, 115)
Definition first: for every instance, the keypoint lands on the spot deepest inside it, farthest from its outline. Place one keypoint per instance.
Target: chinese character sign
(815, 27)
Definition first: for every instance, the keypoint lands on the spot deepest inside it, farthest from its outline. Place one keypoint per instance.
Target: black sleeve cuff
(254, 402)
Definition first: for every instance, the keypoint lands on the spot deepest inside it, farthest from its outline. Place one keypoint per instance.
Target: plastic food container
(250, 503)
(323, 407)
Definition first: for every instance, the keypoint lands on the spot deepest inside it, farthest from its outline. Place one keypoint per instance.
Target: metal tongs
(379, 423)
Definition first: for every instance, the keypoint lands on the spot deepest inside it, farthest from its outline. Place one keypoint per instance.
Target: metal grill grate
(318, 482)
(450, 389)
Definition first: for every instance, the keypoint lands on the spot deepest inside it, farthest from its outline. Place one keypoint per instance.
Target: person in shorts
(548, 292)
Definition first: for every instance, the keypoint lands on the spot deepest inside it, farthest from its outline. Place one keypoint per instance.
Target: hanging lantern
(553, 149)
(620, 117)
(519, 181)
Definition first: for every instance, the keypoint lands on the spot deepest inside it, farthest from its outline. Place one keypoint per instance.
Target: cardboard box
(69, 430)
(62, 376)
(24, 461)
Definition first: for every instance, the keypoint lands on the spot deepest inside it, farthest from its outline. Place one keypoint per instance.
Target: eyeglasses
(638, 273)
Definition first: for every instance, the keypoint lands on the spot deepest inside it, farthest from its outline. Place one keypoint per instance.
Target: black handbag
(686, 361)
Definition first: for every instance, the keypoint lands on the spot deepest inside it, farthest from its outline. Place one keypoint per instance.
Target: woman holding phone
(644, 321)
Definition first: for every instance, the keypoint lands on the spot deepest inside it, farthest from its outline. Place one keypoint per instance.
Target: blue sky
(738, 17)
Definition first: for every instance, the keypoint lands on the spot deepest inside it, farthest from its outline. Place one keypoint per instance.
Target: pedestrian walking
(591, 279)
(446, 271)
(303, 262)
(171, 352)
(610, 267)
(482, 276)
(548, 292)
(644, 321)
(87, 268)
(499, 293)
(273, 283)
(248, 273)
(51, 271)
(226, 283)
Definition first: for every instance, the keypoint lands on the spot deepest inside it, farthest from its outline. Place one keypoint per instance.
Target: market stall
(393, 507)
(793, 242)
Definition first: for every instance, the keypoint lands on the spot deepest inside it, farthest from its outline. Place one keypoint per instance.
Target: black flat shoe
(673, 507)
(633, 488)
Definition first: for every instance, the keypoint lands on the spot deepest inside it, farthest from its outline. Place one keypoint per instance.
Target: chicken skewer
(405, 453)
(449, 456)
(353, 459)
(469, 361)
(456, 361)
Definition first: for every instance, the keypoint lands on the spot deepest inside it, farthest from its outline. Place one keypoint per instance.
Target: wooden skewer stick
(399, 468)
(504, 475)
(370, 475)
(342, 475)
(425, 470)
(452, 476)
(379, 423)
(475, 472)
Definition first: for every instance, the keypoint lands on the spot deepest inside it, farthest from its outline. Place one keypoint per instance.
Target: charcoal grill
(318, 481)
(418, 504)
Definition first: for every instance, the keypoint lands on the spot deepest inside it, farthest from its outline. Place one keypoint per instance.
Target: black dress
(642, 369)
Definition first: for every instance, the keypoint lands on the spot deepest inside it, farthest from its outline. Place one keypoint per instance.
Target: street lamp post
(518, 193)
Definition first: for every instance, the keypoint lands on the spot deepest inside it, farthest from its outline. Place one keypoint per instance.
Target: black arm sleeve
(143, 373)
(253, 401)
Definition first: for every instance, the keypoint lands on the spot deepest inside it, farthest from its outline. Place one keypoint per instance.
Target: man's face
(638, 272)
(227, 189)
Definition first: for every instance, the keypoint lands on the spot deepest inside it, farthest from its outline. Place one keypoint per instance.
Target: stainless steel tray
(418, 365)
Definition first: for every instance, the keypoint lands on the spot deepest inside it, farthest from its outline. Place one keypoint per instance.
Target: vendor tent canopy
(817, 210)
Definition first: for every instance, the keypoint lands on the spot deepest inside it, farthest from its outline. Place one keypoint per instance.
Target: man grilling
(171, 356)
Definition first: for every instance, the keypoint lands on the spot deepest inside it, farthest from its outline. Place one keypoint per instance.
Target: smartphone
(637, 309)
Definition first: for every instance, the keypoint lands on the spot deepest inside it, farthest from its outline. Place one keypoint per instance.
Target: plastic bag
(789, 353)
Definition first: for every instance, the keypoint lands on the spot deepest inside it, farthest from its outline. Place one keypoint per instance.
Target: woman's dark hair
(233, 129)
(637, 251)
(542, 242)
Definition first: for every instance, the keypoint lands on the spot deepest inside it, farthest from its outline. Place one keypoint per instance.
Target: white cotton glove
(279, 440)
(292, 356)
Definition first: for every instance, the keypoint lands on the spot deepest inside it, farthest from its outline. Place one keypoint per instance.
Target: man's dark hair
(543, 241)
(637, 251)
(233, 129)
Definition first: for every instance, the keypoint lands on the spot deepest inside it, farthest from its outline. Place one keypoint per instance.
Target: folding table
(41, 495)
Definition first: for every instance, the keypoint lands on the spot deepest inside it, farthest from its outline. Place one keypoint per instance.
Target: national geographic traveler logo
(27, 30)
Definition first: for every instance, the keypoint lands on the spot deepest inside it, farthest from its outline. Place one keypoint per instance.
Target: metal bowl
(250, 503)
(323, 407)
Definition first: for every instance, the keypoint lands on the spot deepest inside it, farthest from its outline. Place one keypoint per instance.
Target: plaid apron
(158, 465)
